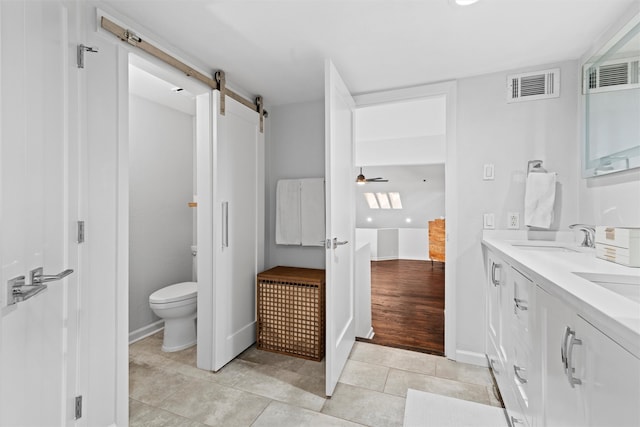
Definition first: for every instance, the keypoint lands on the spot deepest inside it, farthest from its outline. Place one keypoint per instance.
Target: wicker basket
(291, 311)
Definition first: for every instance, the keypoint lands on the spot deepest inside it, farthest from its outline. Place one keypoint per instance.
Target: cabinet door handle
(493, 368)
(570, 369)
(520, 304)
(515, 420)
(563, 349)
(516, 370)
(225, 224)
(494, 267)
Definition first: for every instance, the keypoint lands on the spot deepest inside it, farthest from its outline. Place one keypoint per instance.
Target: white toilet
(177, 306)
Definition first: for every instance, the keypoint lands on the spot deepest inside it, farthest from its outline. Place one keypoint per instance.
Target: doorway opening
(162, 183)
(407, 282)
(405, 138)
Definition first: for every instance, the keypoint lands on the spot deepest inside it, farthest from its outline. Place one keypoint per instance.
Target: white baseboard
(384, 258)
(369, 335)
(145, 331)
(471, 357)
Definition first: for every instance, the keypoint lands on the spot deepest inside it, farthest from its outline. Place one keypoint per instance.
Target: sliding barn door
(237, 211)
(340, 225)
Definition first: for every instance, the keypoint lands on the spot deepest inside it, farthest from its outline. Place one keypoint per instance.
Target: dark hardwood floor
(407, 305)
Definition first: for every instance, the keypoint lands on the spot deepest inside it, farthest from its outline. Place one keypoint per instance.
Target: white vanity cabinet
(587, 378)
(508, 341)
(497, 298)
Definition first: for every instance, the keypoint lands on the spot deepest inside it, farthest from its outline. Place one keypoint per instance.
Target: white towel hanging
(539, 199)
(312, 225)
(288, 212)
(300, 212)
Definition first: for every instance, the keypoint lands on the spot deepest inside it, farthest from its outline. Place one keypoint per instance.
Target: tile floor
(267, 389)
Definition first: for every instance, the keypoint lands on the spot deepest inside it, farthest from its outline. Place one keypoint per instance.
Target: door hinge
(80, 232)
(80, 53)
(78, 407)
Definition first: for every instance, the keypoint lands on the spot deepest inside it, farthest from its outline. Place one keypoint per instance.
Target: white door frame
(448, 89)
(127, 53)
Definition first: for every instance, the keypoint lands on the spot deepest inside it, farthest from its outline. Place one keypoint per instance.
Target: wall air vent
(535, 85)
(611, 75)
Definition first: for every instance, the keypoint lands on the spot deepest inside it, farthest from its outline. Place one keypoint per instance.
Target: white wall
(161, 185)
(394, 243)
(413, 243)
(507, 135)
(407, 132)
(295, 149)
(612, 200)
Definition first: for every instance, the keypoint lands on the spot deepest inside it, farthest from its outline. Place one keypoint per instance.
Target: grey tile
(277, 384)
(312, 368)
(283, 415)
(395, 358)
(463, 372)
(215, 404)
(142, 415)
(364, 406)
(274, 359)
(493, 398)
(399, 381)
(148, 359)
(152, 385)
(365, 375)
(151, 344)
(186, 356)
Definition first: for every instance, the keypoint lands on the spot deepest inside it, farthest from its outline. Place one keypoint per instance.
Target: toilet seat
(175, 293)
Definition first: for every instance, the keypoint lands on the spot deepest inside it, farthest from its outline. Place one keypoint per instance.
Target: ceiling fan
(361, 179)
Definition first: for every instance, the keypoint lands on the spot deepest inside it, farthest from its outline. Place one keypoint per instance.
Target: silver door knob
(38, 277)
(337, 243)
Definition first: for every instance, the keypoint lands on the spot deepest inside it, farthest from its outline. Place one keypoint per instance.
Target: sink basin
(626, 285)
(542, 246)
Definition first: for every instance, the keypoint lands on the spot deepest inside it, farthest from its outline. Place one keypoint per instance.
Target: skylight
(396, 203)
(389, 200)
(383, 200)
(371, 200)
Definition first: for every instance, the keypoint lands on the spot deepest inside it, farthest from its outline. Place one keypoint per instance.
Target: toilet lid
(173, 293)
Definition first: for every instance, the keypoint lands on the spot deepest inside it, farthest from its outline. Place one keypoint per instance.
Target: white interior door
(340, 224)
(237, 215)
(38, 205)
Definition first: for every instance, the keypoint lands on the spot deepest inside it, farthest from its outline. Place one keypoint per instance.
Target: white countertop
(615, 315)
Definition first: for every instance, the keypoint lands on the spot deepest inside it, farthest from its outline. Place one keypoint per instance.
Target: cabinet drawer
(522, 304)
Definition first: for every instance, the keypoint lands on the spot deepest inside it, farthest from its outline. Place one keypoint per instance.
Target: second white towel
(300, 212)
(539, 199)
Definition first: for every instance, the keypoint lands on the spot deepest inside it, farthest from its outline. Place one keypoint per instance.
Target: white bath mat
(433, 410)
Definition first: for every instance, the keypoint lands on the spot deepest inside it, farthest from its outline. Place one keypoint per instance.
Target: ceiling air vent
(535, 85)
(612, 75)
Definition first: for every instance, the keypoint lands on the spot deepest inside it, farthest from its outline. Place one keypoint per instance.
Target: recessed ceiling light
(465, 2)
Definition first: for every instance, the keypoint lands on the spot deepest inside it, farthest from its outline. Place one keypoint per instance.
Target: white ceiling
(277, 48)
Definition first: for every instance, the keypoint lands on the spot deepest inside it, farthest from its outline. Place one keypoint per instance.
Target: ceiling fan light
(361, 180)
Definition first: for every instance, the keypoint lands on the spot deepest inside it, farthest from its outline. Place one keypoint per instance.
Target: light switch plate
(487, 173)
(489, 221)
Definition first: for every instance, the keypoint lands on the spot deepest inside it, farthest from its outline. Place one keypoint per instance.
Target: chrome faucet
(589, 234)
